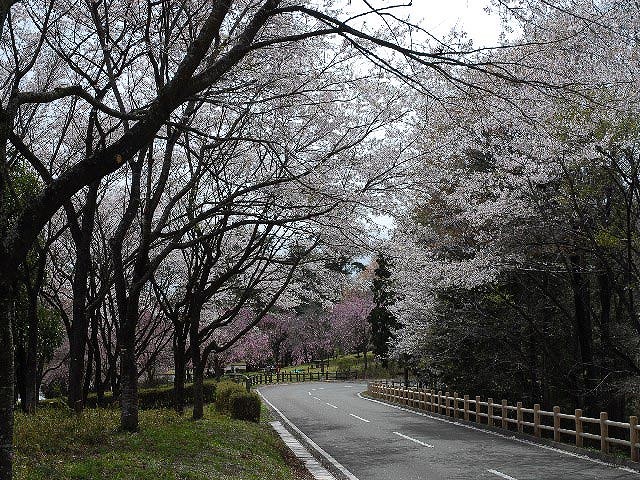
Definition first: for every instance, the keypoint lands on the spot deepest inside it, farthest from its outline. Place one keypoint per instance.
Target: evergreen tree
(382, 321)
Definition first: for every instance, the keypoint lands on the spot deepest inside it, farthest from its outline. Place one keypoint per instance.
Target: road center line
(416, 441)
(360, 418)
(331, 405)
(501, 475)
(316, 398)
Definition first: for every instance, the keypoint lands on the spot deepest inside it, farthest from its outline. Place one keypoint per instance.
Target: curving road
(372, 441)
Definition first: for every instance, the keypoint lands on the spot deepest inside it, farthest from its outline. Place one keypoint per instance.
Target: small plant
(245, 406)
(224, 391)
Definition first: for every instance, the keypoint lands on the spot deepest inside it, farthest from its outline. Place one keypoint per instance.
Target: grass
(57, 445)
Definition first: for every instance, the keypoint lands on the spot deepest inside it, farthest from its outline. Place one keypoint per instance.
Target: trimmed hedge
(148, 398)
(245, 406)
(224, 391)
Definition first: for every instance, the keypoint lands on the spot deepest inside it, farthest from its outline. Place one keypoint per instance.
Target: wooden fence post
(439, 401)
(504, 414)
(466, 408)
(519, 416)
(490, 412)
(433, 401)
(556, 424)
(604, 432)
(446, 403)
(455, 404)
(579, 428)
(478, 418)
(536, 420)
(633, 437)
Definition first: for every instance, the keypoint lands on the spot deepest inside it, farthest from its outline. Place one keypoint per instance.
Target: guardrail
(516, 417)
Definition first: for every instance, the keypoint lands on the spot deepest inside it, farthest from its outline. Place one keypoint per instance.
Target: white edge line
(414, 440)
(311, 443)
(331, 405)
(513, 438)
(360, 418)
(501, 475)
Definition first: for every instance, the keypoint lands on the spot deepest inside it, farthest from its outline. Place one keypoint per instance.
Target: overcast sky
(440, 16)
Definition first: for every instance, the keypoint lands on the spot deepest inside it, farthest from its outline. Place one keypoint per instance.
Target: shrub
(245, 406)
(150, 398)
(224, 392)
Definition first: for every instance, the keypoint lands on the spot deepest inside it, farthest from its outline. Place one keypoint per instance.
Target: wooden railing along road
(289, 377)
(516, 417)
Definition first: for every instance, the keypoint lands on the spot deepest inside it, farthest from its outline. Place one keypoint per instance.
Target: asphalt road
(374, 441)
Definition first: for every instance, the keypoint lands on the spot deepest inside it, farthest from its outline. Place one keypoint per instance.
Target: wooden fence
(516, 417)
(290, 377)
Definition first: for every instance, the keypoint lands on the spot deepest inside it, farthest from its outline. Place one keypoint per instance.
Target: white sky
(439, 17)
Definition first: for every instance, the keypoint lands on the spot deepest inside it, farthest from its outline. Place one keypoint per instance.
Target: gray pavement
(375, 441)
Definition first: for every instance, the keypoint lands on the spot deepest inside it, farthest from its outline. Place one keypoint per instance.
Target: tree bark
(80, 324)
(584, 327)
(198, 367)
(180, 363)
(6, 382)
(128, 367)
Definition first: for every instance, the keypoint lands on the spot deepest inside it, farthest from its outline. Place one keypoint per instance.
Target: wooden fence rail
(516, 417)
(290, 377)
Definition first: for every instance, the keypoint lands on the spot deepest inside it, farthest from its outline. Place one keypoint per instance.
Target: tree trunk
(198, 367)
(128, 366)
(584, 327)
(97, 360)
(80, 324)
(6, 382)
(198, 391)
(180, 362)
(88, 374)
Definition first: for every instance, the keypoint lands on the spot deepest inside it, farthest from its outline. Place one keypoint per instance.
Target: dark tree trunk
(180, 363)
(97, 358)
(584, 327)
(80, 324)
(198, 367)
(20, 360)
(6, 382)
(128, 366)
(89, 373)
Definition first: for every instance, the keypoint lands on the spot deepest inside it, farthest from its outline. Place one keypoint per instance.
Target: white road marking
(318, 472)
(413, 440)
(309, 393)
(331, 405)
(501, 475)
(360, 418)
(513, 438)
(312, 444)
(348, 386)
(316, 398)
